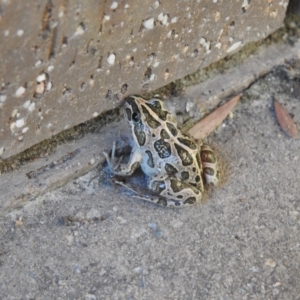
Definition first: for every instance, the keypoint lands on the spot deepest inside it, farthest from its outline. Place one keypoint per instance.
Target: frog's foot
(112, 161)
(210, 165)
(119, 168)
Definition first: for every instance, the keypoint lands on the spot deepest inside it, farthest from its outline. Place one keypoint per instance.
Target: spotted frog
(177, 165)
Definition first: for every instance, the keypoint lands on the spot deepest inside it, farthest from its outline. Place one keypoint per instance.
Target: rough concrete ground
(92, 240)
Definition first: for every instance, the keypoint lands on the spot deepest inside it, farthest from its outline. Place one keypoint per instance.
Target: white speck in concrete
(70, 239)
(174, 20)
(80, 30)
(126, 6)
(245, 4)
(41, 77)
(92, 161)
(6, 32)
(24, 130)
(2, 150)
(49, 86)
(21, 138)
(106, 17)
(20, 91)
(149, 23)
(37, 63)
(205, 44)
(111, 58)
(114, 5)
(20, 32)
(218, 45)
(3, 98)
(163, 18)
(14, 113)
(61, 13)
(20, 123)
(26, 104)
(12, 126)
(152, 77)
(155, 65)
(31, 107)
(50, 68)
(234, 47)
(156, 4)
(95, 114)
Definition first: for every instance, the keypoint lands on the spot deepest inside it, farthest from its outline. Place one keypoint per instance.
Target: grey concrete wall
(64, 62)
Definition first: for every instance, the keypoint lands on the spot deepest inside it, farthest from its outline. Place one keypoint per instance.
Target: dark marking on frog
(150, 161)
(172, 128)
(170, 169)
(164, 135)
(184, 155)
(158, 186)
(155, 106)
(149, 118)
(162, 202)
(208, 156)
(138, 131)
(162, 148)
(187, 142)
(190, 200)
(185, 175)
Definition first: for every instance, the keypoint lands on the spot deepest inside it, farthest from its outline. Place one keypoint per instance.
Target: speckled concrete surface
(92, 240)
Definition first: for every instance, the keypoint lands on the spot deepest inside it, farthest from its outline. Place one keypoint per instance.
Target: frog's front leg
(123, 169)
(172, 191)
(210, 165)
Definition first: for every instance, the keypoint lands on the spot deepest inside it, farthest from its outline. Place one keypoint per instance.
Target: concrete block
(65, 62)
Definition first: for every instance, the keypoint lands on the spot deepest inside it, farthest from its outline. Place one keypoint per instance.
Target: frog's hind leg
(170, 191)
(210, 165)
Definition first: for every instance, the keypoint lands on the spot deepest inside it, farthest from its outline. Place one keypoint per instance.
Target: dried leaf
(207, 125)
(285, 121)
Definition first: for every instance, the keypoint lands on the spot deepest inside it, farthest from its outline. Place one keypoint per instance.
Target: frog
(176, 164)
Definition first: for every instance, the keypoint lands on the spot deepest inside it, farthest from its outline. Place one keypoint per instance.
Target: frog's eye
(135, 117)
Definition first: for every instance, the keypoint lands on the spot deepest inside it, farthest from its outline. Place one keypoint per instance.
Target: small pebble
(111, 59)
(20, 123)
(2, 98)
(271, 263)
(114, 5)
(20, 91)
(149, 23)
(20, 32)
(41, 77)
